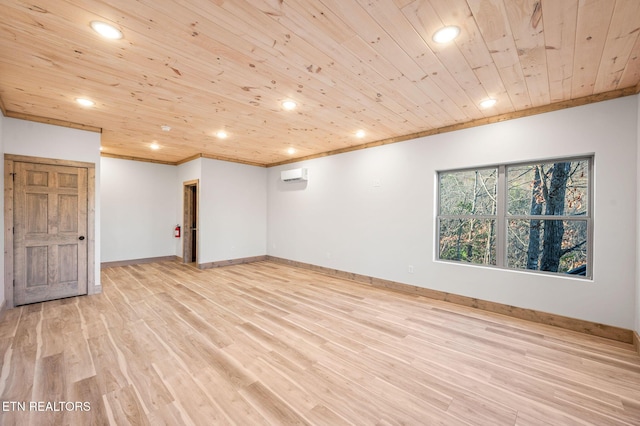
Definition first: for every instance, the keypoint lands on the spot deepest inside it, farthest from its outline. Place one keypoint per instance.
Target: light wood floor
(268, 344)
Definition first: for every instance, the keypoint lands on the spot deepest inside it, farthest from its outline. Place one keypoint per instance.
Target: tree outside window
(468, 216)
(540, 220)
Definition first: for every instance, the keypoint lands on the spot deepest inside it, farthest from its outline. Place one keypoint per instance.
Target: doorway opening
(190, 222)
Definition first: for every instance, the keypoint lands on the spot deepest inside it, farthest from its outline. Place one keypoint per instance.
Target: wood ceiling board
(495, 30)
(351, 69)
(370, 67)
(454, 101)
(527, 28)
(466, 59)
(560, 20)
(195, 86)
(631, 74)
(371, 86)
(363, 25)
(344, 83)
(201, 66)
(378, 38)
(441, 78)
(594, 17)
(196, 103)
(476, 54)
(621, 39)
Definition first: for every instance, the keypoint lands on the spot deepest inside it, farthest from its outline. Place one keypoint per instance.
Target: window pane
(557, 189)
(471, 192)
(468, 240)
(548, 245)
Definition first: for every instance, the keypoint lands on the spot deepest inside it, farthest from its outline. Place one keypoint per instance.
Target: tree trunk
(554, 229)
(472, 221)
(533, 251)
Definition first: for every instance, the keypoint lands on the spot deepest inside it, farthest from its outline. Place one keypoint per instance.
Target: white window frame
(502, 217)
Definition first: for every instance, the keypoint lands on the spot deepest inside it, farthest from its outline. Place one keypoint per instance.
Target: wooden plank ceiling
(201, 66)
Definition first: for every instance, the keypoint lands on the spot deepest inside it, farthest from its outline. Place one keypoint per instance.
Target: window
(468, 213)
(533, 216)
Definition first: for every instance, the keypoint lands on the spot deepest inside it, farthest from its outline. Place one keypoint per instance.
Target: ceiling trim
(633, 90)
(62, 123)
(185, 160)
(249, 163)
(144, 160)
(221, 158)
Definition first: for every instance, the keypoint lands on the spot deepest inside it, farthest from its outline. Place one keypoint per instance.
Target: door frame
(187, 202)
(9, 160)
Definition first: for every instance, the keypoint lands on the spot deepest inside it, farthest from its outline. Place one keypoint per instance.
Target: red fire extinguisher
(177, 231)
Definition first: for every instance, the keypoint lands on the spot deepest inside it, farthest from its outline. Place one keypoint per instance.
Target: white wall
(138, 209)
(637, 298)
(233, 211)
(2, 120)
(44, 140)
(138, 220)
(372, 211)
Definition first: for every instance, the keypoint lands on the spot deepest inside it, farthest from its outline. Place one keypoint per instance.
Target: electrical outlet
(411, 269)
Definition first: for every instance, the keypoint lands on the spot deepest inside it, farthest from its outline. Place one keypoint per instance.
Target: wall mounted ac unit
(293, 175)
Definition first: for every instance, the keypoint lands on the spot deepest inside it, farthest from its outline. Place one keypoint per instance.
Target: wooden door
(190, 222)
(50, 232)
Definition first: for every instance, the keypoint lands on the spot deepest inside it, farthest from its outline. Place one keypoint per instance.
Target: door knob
(81, 237)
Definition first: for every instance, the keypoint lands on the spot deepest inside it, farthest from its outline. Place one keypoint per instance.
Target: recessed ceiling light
(289, 105)
(360, 134)
(488, 103)
(154, 146)
(221, 134)
(446, 34)
(291, 151)
(106, 30)
(85, 102)
(165, 128)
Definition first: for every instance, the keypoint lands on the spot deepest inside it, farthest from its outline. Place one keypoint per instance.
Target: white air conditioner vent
(293, 175)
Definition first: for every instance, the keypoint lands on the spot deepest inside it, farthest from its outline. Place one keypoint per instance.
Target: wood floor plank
(208, 330)
(124, 407)
(198, 406)
(78, 360)
(49, 330)
(273, 343)
(47, 387)
(93, 410)
(109, 377)
(282, 384)
(132, 343)
(9, 322)
(170, 415)
(274, 409)
(323, 415)
(265, 343)
(405, 404)
(227, 397)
